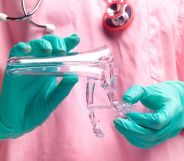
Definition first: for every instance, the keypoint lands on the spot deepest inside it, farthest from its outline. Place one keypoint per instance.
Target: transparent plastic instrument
(96, 65)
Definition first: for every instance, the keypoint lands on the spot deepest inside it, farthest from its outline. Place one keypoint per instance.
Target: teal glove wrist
(27, 101)
(146, 130)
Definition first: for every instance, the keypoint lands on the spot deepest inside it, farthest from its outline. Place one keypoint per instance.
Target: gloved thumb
(133, 94)
(62, 90)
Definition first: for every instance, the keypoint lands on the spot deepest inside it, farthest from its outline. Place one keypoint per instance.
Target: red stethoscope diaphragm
(118, 15)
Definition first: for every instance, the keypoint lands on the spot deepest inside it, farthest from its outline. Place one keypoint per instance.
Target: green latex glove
(27, 101)
(166, 101)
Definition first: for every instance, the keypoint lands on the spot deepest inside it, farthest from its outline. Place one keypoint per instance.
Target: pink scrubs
(151, 50)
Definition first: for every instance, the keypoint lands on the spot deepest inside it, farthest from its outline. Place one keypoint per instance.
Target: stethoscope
(27, 17)
(117, 17)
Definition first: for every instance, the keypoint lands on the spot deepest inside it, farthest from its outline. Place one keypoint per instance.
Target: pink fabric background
(149, 51)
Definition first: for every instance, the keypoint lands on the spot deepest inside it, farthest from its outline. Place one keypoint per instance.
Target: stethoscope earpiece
(50, 28)
(3, 17)
(118, 16)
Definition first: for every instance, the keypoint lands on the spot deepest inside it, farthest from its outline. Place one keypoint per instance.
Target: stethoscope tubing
(26, 15)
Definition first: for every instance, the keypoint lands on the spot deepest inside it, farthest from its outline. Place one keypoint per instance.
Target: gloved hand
(166, 101)
(27, 101)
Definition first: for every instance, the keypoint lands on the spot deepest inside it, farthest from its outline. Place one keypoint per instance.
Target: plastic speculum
(96, 65)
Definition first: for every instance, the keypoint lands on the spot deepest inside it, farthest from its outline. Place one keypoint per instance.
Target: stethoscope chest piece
(118, 15)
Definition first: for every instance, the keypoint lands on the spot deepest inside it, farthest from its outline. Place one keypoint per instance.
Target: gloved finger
(139, 142)
(142, 134)
(58, 44)
(133, 94)
(71, 42)
(61, 90)
(40, 48)
(134, 139)
(148, 143)
(20, 49)
(156, 120)
(125, 126)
